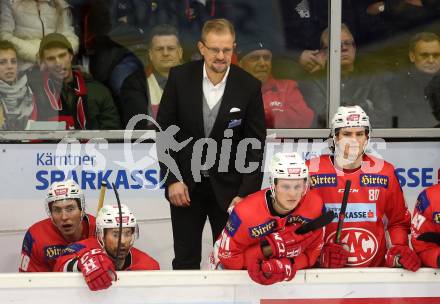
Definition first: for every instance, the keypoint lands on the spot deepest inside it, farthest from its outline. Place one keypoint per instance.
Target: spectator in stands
(386, 27)
(411, 105)
(68, 222)
(128, 19)
(372, 21)
(16, 102)
(26, 22)
(432, 91)
(67, 94)
(357, 88)
(114, 64)
(303, 22)
(284, 105)
(164, 52)
(123, 73)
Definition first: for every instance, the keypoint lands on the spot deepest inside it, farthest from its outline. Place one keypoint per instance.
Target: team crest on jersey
(436, 217)
(292, 219)
(323, 180)
(359, 212)
(54, 251)
(28, 242)
(422, 202)
(374, 180)
(73, 248)
(262, 229)
(233, 223)
(363, 245)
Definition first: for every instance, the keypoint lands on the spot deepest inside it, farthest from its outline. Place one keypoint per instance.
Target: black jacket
(123, 73)
(241, 111)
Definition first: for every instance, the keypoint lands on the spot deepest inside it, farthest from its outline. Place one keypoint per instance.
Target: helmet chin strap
(274, 200)
(276, 203)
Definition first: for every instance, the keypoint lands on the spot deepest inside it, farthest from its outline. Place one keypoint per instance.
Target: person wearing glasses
(409, 89)
(218, 108)
(366, 90)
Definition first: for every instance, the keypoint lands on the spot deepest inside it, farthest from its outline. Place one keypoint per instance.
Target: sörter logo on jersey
(436, 217)
(263, 229)
(362, 243)
(323, 180)
(374, 180)
(54, 251)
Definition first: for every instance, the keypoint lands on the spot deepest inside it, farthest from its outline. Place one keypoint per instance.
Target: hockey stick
(431, 237)
(342, 211)
(118, 249)
(317, 223)
(101, 196)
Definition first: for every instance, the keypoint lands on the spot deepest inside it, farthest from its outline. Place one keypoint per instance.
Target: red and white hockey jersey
(375, 204)
(135, 260)
(426, 218)
(251, 220)
(43, 244)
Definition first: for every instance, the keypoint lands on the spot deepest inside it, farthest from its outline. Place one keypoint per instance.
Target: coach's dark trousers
(188, 223)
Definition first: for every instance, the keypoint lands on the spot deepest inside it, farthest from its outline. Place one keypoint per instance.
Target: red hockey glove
(271, 271)
(402, 256)
(286, 243)
(333, 256)
(97, 268)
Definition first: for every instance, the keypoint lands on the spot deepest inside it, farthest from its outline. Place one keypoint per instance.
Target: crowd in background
(120, 53)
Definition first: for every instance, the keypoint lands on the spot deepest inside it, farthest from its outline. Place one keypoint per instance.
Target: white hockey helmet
(287, 166)
(108, 217)
(352, 116)
(68, 189)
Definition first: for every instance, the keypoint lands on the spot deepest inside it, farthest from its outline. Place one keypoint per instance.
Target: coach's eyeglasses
(216, 51)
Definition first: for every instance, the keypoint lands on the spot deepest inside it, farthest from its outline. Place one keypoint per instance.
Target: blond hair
(325, 33)
(218, 26)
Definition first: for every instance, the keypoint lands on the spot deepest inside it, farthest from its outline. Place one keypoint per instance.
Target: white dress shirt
(213, 93)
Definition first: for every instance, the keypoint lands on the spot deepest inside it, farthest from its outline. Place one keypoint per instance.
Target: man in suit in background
(216, 105)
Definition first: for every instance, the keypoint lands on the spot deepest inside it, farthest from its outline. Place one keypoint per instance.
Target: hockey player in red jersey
(46, 240)
(426, 218)
(375, 200)
(260, 233)
(96, 257)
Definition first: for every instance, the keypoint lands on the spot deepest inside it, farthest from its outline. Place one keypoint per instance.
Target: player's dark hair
(332, 144)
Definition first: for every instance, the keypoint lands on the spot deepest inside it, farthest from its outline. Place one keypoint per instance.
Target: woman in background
(16, 101)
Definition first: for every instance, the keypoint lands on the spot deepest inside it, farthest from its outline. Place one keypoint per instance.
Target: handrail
(221, 278)
(150, 134)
